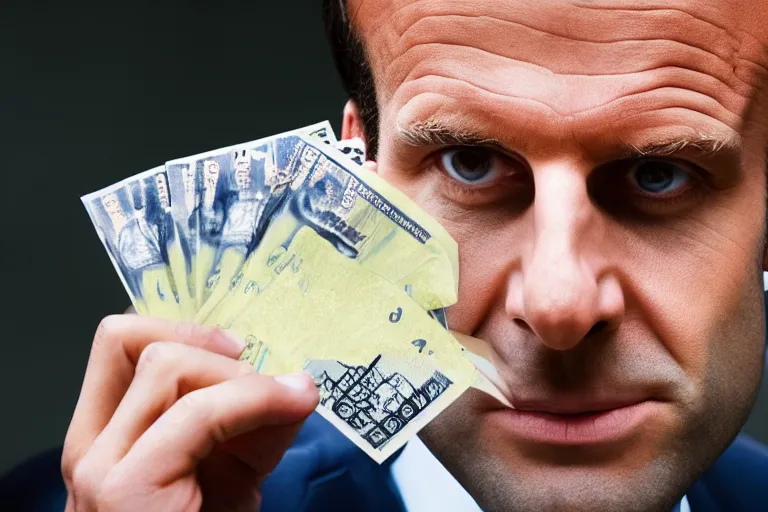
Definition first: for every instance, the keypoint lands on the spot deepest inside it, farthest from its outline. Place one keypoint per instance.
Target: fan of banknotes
(317, 263)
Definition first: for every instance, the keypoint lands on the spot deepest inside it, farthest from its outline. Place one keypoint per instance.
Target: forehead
(577, 64)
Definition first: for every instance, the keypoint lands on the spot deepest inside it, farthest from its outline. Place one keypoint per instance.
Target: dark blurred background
(91, 95)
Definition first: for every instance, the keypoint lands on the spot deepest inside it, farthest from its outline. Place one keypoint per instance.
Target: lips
(575, 422)
(573, 405)
(604, 414)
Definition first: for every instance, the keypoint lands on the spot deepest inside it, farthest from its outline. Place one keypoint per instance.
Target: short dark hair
(354, 68)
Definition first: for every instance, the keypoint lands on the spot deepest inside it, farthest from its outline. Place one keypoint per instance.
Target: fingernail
(370, 165)
(297, 381)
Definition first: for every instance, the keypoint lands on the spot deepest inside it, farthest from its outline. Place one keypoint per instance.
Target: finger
(187, 432)
(250, 458)
(117, 345)
(262, 449)
(165, 372)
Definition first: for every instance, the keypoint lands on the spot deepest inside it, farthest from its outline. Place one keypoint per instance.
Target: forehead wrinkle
(401, 14)
(734, 15)
(569, 20)
(672, 76)
(730, 97)
(738, 54)
(568, 66)
(487, 82)
(437, 111)
(387, 20)
(557, 125)
(648, 6)
(569, 35)
(738, 18)
(462, 83)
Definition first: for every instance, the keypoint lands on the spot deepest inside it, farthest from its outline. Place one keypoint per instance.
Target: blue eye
(659, 177)
(471, 166)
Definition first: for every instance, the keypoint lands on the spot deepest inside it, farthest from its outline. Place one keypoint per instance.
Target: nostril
(521, 324)
(599, 326)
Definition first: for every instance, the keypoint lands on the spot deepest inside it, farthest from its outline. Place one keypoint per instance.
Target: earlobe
(352, 123)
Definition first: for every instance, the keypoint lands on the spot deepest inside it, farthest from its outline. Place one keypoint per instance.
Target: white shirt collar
(440, 492)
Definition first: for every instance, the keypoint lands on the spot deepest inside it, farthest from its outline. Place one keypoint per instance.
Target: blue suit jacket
(323, 471)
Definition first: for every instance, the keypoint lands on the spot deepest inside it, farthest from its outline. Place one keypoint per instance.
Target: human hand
(168, 419)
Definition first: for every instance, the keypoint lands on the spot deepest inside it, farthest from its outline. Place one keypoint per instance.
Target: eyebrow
(704, 145)
(433, 132)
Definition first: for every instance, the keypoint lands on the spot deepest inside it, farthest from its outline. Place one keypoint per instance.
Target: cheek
(697, 291)
(488, 256)
(736, 350)
(723, 358)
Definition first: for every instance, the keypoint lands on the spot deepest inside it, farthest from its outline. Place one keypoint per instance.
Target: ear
(352, 123)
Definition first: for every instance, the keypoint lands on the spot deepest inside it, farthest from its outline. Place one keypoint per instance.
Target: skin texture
(168, 419)
(587, 287)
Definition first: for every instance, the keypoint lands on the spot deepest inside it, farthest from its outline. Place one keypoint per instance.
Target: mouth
(568, 425)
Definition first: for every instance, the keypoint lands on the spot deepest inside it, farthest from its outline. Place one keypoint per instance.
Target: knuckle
(85, 479)
(113, 490)
(107, 329)
(200, 336)
(192, 333)
(193, 402)
(68, 462)
(194, 407)
(158, 357)
(71, 455)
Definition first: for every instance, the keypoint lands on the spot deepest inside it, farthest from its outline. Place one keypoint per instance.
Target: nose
(566, 289)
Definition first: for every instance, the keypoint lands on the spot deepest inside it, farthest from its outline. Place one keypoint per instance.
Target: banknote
(134, 222)
(487, 378)
(362, 216)
(354, 149)
(383, 366)
(186, 189)
(318, 263)
(226, 193)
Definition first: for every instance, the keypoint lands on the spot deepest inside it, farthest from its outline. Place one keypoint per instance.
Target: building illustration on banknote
(376, 403)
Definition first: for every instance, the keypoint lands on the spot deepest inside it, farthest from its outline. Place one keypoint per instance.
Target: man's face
(111, 205)
(610, 230)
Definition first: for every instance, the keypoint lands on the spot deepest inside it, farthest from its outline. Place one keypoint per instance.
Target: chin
(526, 463)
